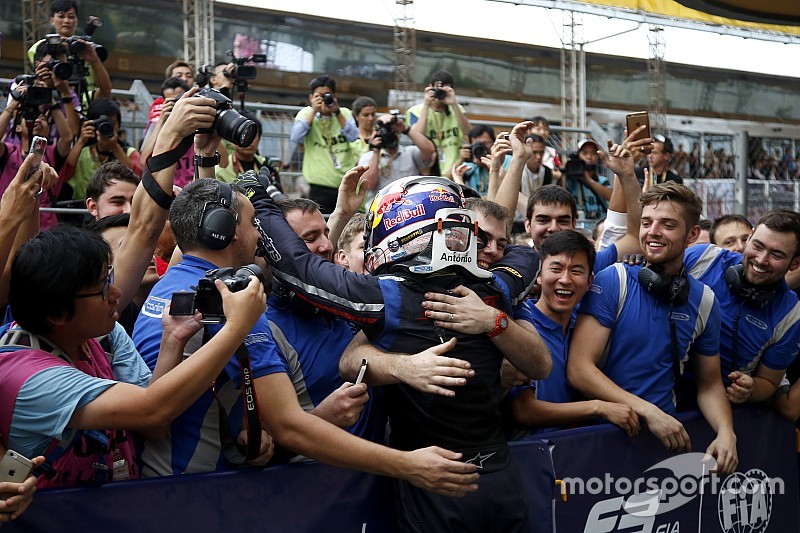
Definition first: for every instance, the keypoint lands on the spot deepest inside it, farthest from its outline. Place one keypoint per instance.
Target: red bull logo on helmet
(440, 194)
(387, 202)
(403, 215)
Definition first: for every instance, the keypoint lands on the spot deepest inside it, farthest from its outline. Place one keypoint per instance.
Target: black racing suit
(388, 309)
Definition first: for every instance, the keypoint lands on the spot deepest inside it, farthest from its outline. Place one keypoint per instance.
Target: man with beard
(761, 316)
(649, 318)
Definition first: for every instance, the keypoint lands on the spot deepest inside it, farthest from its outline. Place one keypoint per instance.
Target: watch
(500, 324)
(206, 162)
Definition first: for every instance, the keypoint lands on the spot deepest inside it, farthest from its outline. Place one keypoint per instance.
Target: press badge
(336, 164)
(441, 156)
(120, 470)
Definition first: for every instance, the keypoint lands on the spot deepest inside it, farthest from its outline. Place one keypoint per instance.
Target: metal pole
(582, 87)
(740, 202)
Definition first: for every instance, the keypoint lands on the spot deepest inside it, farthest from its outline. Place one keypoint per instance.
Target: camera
(203, 76)
(574, 167)
(61, 69)
(478, 150)
(389, 138)
(76, 48)
(328, 99)
(439, 93)
(242, 71)
(206, 298)
(104, 126)
(33, 98)
(229, 124)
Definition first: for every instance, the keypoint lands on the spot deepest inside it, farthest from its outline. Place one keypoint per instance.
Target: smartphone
(636, 120)
(14, 467)
(361, 372)
(38, 144)
(182, 303)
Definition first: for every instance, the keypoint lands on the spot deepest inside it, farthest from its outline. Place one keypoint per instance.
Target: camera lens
(62, 70)
(235, 128)
(328, 99)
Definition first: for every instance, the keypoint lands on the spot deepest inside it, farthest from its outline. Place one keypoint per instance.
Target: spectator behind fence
(95, 147)
(388, 159)
(57, 381)
(659, 160)
(760, 316)
(651, 317)
(550, 159)
(730, 232)
(326, 133)
(110, 190)
(64, 19)
(444, 120)
(590, 190)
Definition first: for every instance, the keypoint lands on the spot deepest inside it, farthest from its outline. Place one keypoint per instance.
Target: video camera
(241, 71)
(206, 298)
(574, 167)
(32, 98)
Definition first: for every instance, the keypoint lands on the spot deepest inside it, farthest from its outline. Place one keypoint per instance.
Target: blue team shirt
(639, 356)
(605, 258)
(768, 335)
(311, 348)
(194, 441)
(554, 388)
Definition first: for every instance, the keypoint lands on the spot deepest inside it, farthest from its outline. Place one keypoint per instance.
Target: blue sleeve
(783, 353)
(350, 130)
(602, 299)
(605, 258)
(523, 312)
(300, 129)
(354, 297)
(127, 365)
(692, 254)
(707, 343)
(507, 162)
(517, 269)
(40, 416)
(516, 392)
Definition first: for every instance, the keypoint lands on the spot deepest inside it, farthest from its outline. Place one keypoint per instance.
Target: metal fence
(763, 196)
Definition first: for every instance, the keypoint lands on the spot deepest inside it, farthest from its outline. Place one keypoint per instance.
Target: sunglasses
(102, 292)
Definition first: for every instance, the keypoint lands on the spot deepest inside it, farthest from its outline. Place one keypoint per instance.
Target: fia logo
(745, 502)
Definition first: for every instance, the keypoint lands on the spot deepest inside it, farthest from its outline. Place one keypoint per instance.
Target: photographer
(97, 144)
(245, 158)
(326, 132)
(28, 121)
(64, 18)
(475, 158)
(443, 119)
(591, 192)
(388, 159)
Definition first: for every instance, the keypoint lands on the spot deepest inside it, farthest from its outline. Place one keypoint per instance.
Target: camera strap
(252, 415)
(159, 162)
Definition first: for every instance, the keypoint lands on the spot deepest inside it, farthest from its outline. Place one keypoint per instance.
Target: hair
(552, 195)
(784, 221)
(705, 224)
(360, 103)
(49, 270)
(479, 130)
(292, 204)
(352, 230)
(187, 210)
(540, 120)
(104, 106)
(175, 64)
(322, 81)
(674, 192)
(40, 52)
(726, 219)
(63, 6)
(569, 242)
(105, 174)
(596, 229)
(174, 82)
(534, 138)
(443, 76)
(121, 220)
(668, 147)
(491, 209)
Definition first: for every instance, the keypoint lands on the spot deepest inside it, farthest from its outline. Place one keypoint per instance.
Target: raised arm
(620, 161)
(508, 191)
(352, 190)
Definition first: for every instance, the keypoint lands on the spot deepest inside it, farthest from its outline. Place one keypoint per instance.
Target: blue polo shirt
(639, 356)
(193, 444)
(554, 388)
(767, 335)
(310, 347)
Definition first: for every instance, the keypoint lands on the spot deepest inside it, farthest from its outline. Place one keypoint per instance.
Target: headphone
(753, 296)
(672, 290)
(218, 221)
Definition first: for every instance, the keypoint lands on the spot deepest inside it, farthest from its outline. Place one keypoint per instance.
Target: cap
(584, 142)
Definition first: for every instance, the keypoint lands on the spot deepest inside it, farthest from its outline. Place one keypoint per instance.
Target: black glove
(256, 185)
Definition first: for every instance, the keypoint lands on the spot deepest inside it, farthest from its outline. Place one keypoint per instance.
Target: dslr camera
(328, 99)
(206, 298)
(229, 124)
(388, 137)
(34, 97)
(439, 93)
(478, 150)
(104, 126)
(574, 167)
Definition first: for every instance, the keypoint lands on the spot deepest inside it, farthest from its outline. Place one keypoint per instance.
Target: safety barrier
(592, 479)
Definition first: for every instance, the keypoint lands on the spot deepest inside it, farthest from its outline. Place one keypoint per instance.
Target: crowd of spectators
(407, 307)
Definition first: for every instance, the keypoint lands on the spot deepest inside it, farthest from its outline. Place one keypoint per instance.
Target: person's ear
(340, 258)
(91, 206)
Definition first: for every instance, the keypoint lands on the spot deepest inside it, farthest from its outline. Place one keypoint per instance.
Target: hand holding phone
(361, 372)
(633, 122)
(38, 144)
(15, 468)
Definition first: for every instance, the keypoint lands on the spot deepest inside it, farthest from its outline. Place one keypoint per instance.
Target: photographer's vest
(82, 457)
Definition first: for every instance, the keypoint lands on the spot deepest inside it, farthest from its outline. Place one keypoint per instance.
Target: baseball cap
(584, 142)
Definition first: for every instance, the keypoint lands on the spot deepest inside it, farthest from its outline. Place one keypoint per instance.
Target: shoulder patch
(597, 289)
(154, 307)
